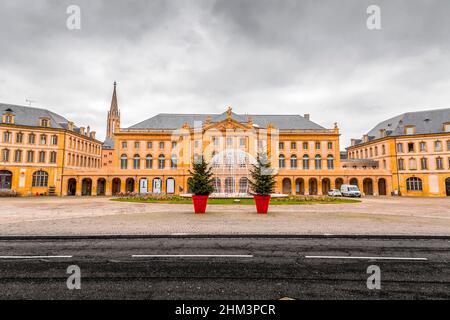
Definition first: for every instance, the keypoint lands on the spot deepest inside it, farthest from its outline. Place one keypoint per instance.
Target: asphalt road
(225, 268)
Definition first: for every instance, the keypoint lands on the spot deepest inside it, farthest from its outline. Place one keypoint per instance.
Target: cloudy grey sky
(259, 56)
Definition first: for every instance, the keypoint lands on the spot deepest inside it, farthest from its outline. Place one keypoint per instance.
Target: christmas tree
(201, 181)
(263, 177)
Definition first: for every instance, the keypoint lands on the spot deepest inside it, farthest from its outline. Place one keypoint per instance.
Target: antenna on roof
(29, 101)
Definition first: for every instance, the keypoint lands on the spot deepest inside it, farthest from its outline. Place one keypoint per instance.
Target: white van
(349, 190)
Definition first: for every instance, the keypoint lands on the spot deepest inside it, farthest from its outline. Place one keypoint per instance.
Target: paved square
(100, 216)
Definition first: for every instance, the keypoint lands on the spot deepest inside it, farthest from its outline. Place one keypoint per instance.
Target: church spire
(114, 110)
(113, 124)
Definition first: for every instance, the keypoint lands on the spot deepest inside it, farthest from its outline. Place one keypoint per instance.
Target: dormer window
(8, 117)
(410, 130)
(447, 127)
(45, 122)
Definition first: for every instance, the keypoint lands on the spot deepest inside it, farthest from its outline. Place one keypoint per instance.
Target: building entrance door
(5, 179)
(143, 186)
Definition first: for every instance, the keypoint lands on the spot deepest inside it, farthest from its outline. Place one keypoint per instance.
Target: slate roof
(108, 143)
(176, 121)
(428, 121)
(29, 116)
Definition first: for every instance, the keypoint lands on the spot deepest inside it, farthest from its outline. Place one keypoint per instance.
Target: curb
(227, 236)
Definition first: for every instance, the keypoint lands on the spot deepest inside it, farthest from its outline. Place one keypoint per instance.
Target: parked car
(348, 190)
(335, 193)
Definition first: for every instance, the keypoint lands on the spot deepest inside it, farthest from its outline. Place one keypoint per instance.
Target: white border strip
(366, 258)
(192, 256)
(35, 257)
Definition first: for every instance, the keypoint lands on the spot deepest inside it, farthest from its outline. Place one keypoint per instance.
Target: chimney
(306, 116)
(353, 142)
(82, 130)
(70, 126)
(382, 133)
(92, 135)
(88, 132)
(366, 138)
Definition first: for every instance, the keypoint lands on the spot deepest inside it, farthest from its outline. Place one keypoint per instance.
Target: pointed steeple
(114, 110)
(113, 124)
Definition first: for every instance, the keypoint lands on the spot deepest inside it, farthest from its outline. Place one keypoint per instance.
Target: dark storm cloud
(265, 56)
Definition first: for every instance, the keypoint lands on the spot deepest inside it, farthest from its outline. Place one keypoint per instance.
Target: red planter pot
(262, 203)
(200, 203)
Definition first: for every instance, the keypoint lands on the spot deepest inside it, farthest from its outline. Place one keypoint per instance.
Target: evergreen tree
(263, 177)
(201, 182)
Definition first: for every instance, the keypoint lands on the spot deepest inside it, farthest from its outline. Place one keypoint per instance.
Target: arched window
(305, 162)
(282, 161)
(217, 185)
(40, 179)
(136, 161)
(174, 162)
(161, 161)
(243, 185)
(123, 161)
(149, 161)
(318, 162)
(330, 162)
(294, 161)
(43, 139)
(414, 184)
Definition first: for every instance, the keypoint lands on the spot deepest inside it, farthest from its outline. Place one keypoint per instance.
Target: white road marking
(35, 257)
(366, 258)
(192, 256)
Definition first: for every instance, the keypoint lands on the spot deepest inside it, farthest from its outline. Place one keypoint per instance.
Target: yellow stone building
(37, 146)
(155, 155)
(415, 148)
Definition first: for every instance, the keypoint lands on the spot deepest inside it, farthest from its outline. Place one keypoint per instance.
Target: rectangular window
(305, 145)
(399, 147)
(376, 151)
(31, 138)
(161, 145)
(448, 145)
(401, 164)
(149, 145)
(5, 155)
(383, 149)
(330, 145)
(281, 145)
(410, 147)
(317, 145)
(124, 144)
(437, 146)
(7, 136)
(137, 144)
(439, 164)
(293, 145)
(30, 156)
(53, 157)
(42, 156)
(54, 140)
(19, 137)
(174, 144)
(424, 164)
(242, 142)
(423, 146)
(18, 156)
